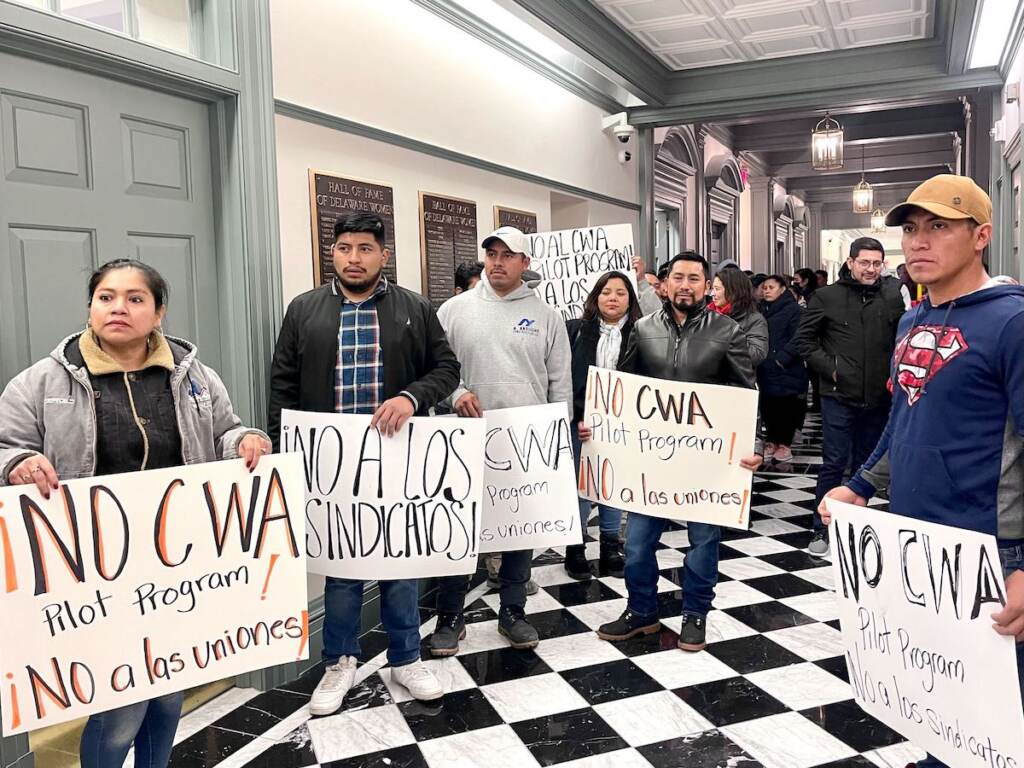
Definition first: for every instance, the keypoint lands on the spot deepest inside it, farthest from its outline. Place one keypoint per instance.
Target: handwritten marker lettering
(270, 570)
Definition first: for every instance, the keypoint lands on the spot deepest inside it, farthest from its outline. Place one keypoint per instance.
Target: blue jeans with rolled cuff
(399, 613)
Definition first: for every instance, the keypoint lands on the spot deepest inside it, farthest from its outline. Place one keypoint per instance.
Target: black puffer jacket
(707, 349)
(783, 372)
(583, 338)
(847, 336)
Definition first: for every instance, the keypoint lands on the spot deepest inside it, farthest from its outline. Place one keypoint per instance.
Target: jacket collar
(100, 363)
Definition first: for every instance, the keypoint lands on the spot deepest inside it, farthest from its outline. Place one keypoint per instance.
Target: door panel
(95, 170)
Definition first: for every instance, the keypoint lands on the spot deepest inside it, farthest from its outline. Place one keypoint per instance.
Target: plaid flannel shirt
(359, 372)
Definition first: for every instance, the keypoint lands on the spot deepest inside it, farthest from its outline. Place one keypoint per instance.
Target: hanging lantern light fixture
(878, 221)
(827, 145)
(863, 194)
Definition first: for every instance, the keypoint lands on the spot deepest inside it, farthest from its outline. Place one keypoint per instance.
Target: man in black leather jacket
(684, 341)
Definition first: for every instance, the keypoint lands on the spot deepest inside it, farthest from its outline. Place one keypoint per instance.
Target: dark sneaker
(819, 544)
(576, 564)
(512, 624)
(628, 625)
(611, 562)
(692, 636)
(450, 629)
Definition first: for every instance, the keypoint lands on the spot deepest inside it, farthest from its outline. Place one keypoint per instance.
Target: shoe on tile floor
(576, 564)
(819, 544)
(333, 686)
(449, 630)
(783, 453)
(693, 634)
(512, 624)
(611, 562)
(418, 680)
(628, 625)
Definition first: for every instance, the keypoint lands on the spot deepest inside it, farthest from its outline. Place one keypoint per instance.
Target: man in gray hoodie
(514, 351)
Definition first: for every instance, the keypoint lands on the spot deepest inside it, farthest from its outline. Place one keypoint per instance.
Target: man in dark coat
(847, 336)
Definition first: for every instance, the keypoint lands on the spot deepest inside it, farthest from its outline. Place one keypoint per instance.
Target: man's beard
(358, 286)
(685, 309)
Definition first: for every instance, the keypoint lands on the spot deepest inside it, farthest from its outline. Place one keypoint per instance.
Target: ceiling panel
(689, 34)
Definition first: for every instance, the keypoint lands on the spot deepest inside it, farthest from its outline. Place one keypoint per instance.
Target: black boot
(576, 562)
(612, 562)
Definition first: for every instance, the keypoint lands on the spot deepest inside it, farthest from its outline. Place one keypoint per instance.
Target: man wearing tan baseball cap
(957, 417)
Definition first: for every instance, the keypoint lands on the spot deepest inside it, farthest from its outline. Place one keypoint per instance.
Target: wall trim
(316, 117)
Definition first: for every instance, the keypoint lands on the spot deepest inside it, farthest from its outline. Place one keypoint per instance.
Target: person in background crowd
(685, 341)
(847, 336)
(945, 457)
(649, 287)
(726, 264)
(504, 366)
(146, 389)
(822, 276)
(757, 285)
(467, 276)
(733, 295)
(363, 345)
(782, 377)
(599, 338)
(806, 283)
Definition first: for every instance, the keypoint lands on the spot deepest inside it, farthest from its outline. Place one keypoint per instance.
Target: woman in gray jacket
(120, 397)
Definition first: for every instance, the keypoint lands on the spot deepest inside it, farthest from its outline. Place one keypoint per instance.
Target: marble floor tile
(580, 592)
(560, 623)
(622, 758)
(823, 576)
(536, 696)
(482, 636)
(456, 712)
(801, 483)
(596, 614)
(765, 617)
(813, 642)
(400, 757)
(802, 686)
(568, 736)
(783, 585)
(550, 575)
(711, 749)
(852, 725)
(782, 509)
(478, 748)
(787, 741)
(357, 733)
(747, 568)
(679, 669)
(789, 494)
(773, 527)
(537, 603)
(651, 718)
(669, 558)
(502, 665)
(449, 672)
(676, 539)
(735, 593)
(610, 681)
(665, 639)
(752, 654)
(721, 626)
(760, 545)
(735, 700)
(822, 606)
(896, 756)
(577, 650)
(795, 561)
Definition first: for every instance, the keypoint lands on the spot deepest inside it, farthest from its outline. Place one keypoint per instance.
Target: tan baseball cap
(947, 196)
(516, 241)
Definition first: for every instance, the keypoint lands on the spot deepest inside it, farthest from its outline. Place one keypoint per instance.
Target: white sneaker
(336, 682)
(418, 680)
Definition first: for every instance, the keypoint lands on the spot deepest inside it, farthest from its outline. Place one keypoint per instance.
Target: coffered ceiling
(691, 34)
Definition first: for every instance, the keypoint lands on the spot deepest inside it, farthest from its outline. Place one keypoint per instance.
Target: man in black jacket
(363, 345)
(684, 341)
(847, 336)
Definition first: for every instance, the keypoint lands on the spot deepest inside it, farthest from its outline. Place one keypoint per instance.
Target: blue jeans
(610, 518)
(513, 576)
(850, 433)
(150, 725)
(399, 613)
(1013, 560)
(699, 571)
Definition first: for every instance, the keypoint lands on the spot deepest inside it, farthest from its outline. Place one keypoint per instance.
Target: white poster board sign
(530, 497)
(570, 261)
(667, 448)
(400, 507)
(122, 588)
(916, 601)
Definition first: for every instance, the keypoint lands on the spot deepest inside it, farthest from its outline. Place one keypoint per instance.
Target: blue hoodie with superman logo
(953, 449)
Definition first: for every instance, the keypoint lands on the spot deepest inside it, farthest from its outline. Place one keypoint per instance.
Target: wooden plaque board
(448, 237)
(524, 221)
(331, 197)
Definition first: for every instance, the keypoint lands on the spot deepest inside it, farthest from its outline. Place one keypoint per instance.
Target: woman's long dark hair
(739, 291)
(590, 310)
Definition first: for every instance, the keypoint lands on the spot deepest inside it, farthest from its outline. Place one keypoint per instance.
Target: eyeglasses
(869, 264)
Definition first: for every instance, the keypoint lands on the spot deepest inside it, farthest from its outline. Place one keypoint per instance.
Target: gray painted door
(92, 170)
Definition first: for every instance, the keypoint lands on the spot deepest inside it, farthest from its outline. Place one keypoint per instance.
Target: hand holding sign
(841, 494)
(1010, 620)
(35, 469)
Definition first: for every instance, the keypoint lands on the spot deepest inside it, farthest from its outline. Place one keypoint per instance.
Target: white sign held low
(122, 588)
(916, 601)
(570, 261)
(668, 449)
(400, 507)
(530, 497)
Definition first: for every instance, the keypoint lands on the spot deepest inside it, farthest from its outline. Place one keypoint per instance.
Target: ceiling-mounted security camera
(617, 126)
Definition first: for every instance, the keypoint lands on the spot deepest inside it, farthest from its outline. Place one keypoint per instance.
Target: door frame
(244, 169)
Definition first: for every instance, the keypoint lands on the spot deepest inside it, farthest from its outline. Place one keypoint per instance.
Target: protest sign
(121, 588)
(400, 507)
(916, 601)
(667, 448)
(571, 260)
(530, 497)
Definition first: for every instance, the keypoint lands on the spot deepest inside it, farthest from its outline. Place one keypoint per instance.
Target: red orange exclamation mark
(270, 570)
(743, 506)
(15, 711)
(305, 635)
(732, 446)
(10, 572)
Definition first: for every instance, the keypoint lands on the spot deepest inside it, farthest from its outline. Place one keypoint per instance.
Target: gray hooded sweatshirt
(514, 349)
(48, 409)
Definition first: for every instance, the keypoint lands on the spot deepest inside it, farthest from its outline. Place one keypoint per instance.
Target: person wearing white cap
(514, 352)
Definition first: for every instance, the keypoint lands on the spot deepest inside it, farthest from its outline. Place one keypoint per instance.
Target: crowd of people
(893, 404)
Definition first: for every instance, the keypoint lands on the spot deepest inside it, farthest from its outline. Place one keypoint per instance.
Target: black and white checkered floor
(770, 690)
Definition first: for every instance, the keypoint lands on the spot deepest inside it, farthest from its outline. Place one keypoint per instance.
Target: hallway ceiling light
(992, 29)
(878, 221)
(827, 145)
(863, 194)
